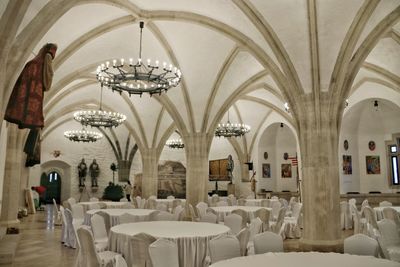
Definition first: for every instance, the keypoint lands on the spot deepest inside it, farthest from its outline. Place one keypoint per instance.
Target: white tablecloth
(306, 259)
(116, 213)
(379, 211)
(226, 210)
(192, 238)
(109, 204)
(168, 202)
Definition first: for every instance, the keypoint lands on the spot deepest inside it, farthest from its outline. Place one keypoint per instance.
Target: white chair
(57, 213)
(128, 218)
(64, 231)
(164, 252)
(267, 242)
(360, 224)
(250, 196)
(391, 214)
(292, 225)
(369, 215)
(153, 197)
(161, 207)
(276, 206)
(77, 214)
(201, 208)
(95, 206)
(170, 197)
(255, 228)
(360, 244)
(264, 216)
(188, 213)
(88, 255)
(389, 239)
(353, 201)
(139, 249)
(345, 216)
(278, 227)
(151, 204)
(71, 201)
(209, 217)
(222, 203)
(164, 216)
(70, 236)
(124, 199)
(119, 261)
(241, 202)
(214, 199)
(99, 232)
(93, 199)
(177, 212)
(107, 220)
(243, 236)
(224, 247)
(364, 203)
(265, 203)
(385, 204)
(234, 222)
(175, 203)
(243, 214)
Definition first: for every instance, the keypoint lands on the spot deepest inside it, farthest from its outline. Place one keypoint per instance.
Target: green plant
(113, 192)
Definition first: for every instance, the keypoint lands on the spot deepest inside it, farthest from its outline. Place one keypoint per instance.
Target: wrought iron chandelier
(175, 143)
(229, 129)
(99, 118)
(138, 77)
(83, 135)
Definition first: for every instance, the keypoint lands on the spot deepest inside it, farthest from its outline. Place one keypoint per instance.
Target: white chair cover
(243, 214)
(177, 212)
(175, 203)
(151, 204)
(64, 231)
(222, 203)
(93, 199)
(57, 213)
(278, 226)
(99, 232)
(243, 236)
(352, 201)
(77, 213)
(389, 239)
(164, 216)
(224, 247)
(292, 225)
(276, 206)
(264, 216)
(364, 203)
(234, 222)
(128, 218)
(170, 197)
(360, 224)
(201, 208)
(345, 216)
(70, 236)
(391, 214)
(95, 206)
(209, 217)
(385, 204)
(164, 252)
(369, 215)
(161, 207)
(250, 196)
(139, 250)
(71, 201)
(153, 197)
(284, 203)
(119, 261)
(360, 244)
(255, 228)
(124, 199)
(241, 202)
(267, 242)
(107, 220)
(88, 256)
(265, 203)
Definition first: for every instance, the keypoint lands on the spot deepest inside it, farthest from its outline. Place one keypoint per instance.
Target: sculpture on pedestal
(230, 167)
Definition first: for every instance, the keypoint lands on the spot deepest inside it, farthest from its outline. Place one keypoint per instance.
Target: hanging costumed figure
(25, 106)
(94, 172)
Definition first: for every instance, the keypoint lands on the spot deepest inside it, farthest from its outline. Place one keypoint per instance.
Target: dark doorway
(52, 182)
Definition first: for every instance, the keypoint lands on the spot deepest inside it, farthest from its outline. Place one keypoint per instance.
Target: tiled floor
(40, 243)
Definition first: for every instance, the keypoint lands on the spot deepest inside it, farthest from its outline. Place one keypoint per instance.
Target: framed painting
(286, 171)
(373, 165)
(266, 170)
(347, 165)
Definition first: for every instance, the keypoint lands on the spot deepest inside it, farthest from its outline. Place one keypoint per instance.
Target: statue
(94, 172)
(82, 169)
(230, 167)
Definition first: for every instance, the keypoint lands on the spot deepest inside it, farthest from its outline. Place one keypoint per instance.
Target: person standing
(128, 190)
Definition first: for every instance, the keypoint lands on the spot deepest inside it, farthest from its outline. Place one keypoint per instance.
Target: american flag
(294, 160)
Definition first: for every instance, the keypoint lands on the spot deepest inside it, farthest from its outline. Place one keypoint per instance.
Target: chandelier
(138, 77)
(229, 129)
(83, 135)
(175, 143)
(99, 118)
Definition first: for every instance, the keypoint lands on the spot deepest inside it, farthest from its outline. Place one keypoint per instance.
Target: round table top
(119, 212)
(108, 203)
(231, 208)
(306, 259)
(171, 229)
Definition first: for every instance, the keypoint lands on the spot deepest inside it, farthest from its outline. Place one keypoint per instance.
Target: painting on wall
(286, 171)
(266, 170)
(373, 165)
(347, 166)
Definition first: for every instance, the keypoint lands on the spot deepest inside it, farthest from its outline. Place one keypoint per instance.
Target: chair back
(164, 252)
(151, 204)
(161, 207)
(119, 261)
(389, 233)
(176, 203)
(153, 197)
(234, 222)
(360, 244)
(70, 232)
(170, 197)
(98, 228)
(88, 254)
(296, 209)
(353, 201)
(279, 221)
(106, 219)
(165, 216)
(213, 201)
(370, 216)
(128, 218)
(264, 216)
(284, 202)
(243, 236)
(276, 206)
(224, 247)
(364, 203)
(55, 205)
(241, 202)
(124, 199)
(255, 228)
(71, 201)
(188, 213)
(243, 214)
(209, 217)
(201, 208)
(77, 211)
(93, 199)
(391, 214)
(222, 203)
(266, 203)
(139, 252)
(177, 212)
(267, 242)
(385, 204)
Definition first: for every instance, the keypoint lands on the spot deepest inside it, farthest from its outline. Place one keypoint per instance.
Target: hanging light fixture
(231, 129)
(99, 118)
(138, 77)
(83, 135)
(175, 143)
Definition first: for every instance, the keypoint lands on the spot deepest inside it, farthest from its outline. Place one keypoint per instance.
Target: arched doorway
(52, 182)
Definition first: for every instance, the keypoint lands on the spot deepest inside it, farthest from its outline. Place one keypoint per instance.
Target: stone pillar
(318, 137)
(150, 172)
(197, 167)
(12, 177)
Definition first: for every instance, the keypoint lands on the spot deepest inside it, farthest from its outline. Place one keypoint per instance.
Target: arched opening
(52, 182)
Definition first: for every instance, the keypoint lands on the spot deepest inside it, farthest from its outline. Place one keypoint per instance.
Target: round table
(306, 259)
(109, 204)
(116, 213)
(192, 238)
(168, 201)
(379, 211)
(226, 210)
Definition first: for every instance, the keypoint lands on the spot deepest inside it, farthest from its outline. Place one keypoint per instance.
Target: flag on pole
(294, 160)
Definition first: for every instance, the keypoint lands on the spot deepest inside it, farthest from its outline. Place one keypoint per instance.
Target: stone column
(318, 137)
(150, 172)
(12, 177)
(197, 167)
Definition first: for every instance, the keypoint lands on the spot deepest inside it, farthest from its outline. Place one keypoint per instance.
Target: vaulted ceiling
(234, 55)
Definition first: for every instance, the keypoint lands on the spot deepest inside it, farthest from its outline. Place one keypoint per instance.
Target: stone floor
(40, 243)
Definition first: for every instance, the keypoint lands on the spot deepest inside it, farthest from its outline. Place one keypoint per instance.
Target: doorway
(52, 182)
